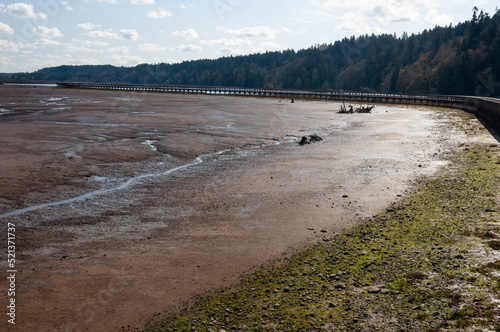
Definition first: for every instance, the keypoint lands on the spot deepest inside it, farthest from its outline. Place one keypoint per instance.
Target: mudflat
(130, 204)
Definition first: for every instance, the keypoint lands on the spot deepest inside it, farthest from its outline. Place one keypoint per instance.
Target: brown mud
(184, 226)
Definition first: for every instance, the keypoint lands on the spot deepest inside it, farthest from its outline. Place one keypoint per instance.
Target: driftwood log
(310, 139)
(351, 110)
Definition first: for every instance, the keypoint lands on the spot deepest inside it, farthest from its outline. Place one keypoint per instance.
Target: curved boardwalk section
(488, 108)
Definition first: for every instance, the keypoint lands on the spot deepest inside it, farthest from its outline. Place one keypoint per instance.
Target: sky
(47, 33)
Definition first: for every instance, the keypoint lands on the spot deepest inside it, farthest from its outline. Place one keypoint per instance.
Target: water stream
(124, 185)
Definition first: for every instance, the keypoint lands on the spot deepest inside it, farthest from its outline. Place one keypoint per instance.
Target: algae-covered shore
(430, 262)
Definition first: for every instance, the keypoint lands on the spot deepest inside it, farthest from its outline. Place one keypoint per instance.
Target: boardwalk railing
(488, 108)
(433, 100)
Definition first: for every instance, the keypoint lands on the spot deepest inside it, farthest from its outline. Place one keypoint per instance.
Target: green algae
(423, 264)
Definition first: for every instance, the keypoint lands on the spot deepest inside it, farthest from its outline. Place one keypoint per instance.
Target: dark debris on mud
(310, 139)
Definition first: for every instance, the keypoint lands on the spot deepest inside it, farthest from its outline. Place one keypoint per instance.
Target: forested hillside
(461, 59)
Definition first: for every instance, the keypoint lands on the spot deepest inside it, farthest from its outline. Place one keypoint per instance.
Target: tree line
(459, 59)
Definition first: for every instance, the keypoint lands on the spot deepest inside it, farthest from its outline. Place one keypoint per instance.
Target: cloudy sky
(42, 33)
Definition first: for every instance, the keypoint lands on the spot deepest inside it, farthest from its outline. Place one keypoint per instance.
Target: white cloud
(376, 19)
(128, 34)
(367, 17)
(187, 5)
(270, 45)
(88, 26)
(103, 34)
(188, 34)
(21, 10)
(357, 24)
(317, 15)
(4, 28)
(231, 51)
(120, 50)
(39, 60)
(47, 32)
(51, 60)
(262, 31)
(67, 6)
(237, 51)
(8, 46)
(152, 47)
(82, 49)
(188, 48)
(123, 34)
(24, 10)
(433, 16)
(47, 42)
(89, 43)
(126, 60)
(142, 2)
(390, 12)
(161, 13)
(228, 42)
(6, 64)
(379, 13)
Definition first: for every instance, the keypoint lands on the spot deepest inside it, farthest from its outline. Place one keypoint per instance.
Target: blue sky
(43, 33)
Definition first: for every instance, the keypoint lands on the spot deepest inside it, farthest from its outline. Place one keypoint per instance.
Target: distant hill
(460, 59)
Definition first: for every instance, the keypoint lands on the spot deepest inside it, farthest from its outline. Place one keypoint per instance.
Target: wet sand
(188, 193)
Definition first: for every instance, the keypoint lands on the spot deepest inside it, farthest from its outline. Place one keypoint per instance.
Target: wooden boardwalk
(488, 108)
(431, 100)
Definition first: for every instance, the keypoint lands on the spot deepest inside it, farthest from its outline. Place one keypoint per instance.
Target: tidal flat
(219, 193)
